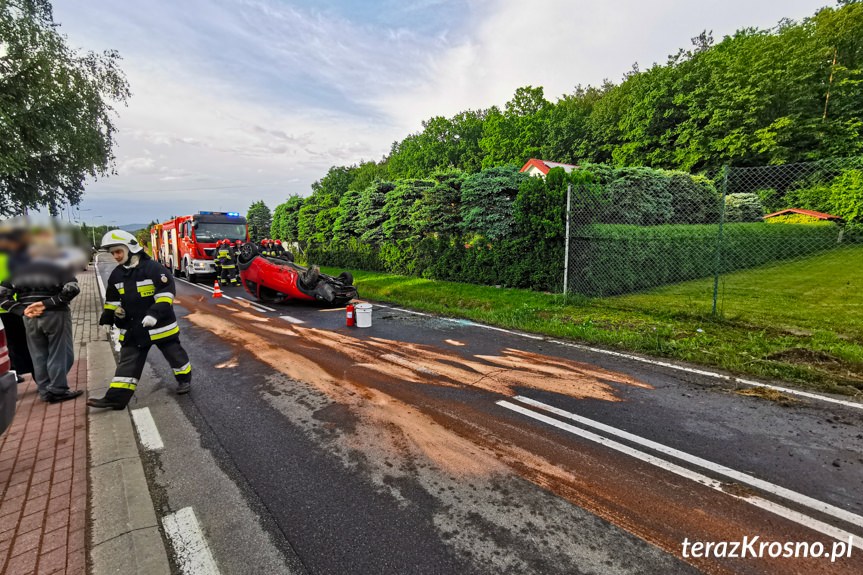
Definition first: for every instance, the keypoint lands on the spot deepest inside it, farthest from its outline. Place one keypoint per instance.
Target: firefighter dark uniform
(227, 261)
(13, 253)
(139, 301)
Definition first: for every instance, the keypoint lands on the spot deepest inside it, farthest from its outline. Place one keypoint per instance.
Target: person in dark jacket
(14, 240)
(40, 291)
(139, 300)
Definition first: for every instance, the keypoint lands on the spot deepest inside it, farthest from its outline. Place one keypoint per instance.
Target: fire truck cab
(186, 245)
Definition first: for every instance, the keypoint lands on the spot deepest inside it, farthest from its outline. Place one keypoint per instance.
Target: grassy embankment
(800, 322)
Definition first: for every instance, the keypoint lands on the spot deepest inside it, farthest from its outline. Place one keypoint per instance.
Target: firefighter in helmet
(216, 262)
(227, 260)
(139, 301)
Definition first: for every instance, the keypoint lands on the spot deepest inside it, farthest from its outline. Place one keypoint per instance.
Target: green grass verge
(800, 322)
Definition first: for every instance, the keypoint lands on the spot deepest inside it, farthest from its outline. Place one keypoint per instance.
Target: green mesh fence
(718, 238)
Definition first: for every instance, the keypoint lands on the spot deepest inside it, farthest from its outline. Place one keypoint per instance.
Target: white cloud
(139, 165)
(559, 44)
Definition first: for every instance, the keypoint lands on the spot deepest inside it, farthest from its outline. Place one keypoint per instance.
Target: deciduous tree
(57, 125)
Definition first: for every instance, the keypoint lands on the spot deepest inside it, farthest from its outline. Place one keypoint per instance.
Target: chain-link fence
(720, 243)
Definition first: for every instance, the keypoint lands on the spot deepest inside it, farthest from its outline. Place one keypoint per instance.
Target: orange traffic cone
(217, 291)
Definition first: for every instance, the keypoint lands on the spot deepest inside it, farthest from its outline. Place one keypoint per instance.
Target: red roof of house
(544, 166)
(819, 215)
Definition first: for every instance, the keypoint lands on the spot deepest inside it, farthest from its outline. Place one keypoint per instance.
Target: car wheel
(247, 252)
(346, 278)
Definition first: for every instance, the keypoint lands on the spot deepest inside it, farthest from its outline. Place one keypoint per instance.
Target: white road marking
(704, 372)
(205, 288)
(738, 476)
(409, 311)
(148, 433)
(102, 288)
(256, 304)
(760, 502)
(258, 307)
(191, 549)
(793, 496)
(696, 371)
(291, 319)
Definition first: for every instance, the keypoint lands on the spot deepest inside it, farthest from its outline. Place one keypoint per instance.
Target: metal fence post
(719, 239)
(566, 247)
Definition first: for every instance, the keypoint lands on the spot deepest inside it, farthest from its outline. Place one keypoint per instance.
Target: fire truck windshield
(208, 232)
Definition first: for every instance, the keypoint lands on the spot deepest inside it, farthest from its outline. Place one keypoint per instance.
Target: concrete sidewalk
(46, 523)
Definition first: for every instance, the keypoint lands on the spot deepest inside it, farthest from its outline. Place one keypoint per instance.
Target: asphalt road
(426, 445)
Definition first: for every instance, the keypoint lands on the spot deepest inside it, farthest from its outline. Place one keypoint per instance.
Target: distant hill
(132, 228)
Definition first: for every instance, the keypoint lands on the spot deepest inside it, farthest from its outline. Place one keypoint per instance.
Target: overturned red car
(278, 280)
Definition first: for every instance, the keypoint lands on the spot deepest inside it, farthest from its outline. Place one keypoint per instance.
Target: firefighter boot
(115, 398)
(184, 386)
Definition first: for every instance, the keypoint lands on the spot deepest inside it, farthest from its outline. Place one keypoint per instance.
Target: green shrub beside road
(803, 319)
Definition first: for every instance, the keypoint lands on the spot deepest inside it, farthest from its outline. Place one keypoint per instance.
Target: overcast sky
(236, 101)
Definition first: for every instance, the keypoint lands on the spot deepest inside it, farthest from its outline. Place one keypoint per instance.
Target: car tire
(346, 278)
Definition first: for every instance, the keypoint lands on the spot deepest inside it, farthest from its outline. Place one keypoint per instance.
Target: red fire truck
(186, 245)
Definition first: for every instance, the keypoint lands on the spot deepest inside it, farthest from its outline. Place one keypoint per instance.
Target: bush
(487, 201)
(641, 196)
(743, 208)
(694, 199)
(798, 219)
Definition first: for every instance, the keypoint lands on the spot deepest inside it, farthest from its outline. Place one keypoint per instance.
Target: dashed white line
(256, 304)
(738, 476)
(291, 319)
(148, 433)
(191, 549)
(258, 307)
(760, 502)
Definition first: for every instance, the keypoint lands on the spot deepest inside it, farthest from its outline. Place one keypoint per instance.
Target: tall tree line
(788, 94)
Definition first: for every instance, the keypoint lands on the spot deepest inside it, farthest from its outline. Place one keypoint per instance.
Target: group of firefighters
(225, 259)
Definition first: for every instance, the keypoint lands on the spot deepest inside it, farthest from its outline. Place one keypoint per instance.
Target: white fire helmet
(121, 238)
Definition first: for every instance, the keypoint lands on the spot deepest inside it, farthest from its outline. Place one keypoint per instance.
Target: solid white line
(193, 553)
(793, 496)
(102, 288)
(254, 303)
(408, 311)
(291, 319)
(809, 395)
(696, 371)
(494, 328)
(148, 433)
(762, 503)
